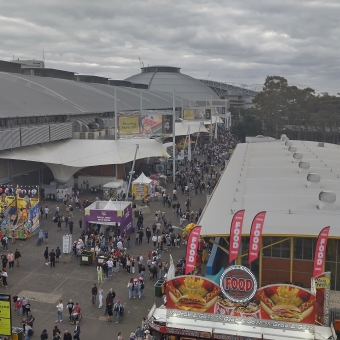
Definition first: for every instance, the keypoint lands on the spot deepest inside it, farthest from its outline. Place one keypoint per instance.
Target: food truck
(236, 309)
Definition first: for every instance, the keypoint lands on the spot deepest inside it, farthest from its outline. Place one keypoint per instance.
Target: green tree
(271, 104)
(250, 125)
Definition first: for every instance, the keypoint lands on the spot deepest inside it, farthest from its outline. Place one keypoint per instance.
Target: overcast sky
(226, 40)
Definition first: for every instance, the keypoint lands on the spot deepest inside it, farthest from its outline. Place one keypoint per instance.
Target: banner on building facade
(128, 125)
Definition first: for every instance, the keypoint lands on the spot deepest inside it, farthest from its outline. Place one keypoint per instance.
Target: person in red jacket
(18, 306)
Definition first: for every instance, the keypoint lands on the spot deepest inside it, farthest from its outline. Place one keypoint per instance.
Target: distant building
(30, 63)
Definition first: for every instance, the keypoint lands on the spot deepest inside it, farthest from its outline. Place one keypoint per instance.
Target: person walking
(100, 297)
(46, 256)
(52, 258)
(70, 306)
(4, 275)
(109, 312)
(17, 256)
(46, 211)
(67, 335)
(76, 335)
(120, 336)
(44, 335)
(60, 308)
(5, 242)
(46, 236)
(57, 254)
(66, 220)
(40, 238)
(4, 261)
(94, 294)
(70, 225)
(10, 258)
(117, 308)
(139, 333)
(100, 273)
(130, 287)
(18, 306)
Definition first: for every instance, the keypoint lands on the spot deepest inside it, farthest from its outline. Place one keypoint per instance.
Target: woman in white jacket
(100, 296)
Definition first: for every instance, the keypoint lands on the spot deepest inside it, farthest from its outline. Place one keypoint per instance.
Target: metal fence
(334, 313)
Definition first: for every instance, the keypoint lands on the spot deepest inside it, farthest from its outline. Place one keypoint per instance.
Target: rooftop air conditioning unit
(83, 135)
(93, 135)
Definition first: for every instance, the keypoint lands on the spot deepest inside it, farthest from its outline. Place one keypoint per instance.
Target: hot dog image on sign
(192, 293)
(287, 303)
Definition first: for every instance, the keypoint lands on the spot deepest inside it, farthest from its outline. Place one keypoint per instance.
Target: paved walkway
(44, 286)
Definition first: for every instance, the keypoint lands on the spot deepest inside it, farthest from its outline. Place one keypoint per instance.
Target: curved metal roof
(24, 95)
(266, 177)
(184, 85)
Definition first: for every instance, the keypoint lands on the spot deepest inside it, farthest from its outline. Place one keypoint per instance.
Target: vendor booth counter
(109, 213)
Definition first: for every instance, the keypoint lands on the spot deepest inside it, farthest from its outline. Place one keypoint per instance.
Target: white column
(174, 138)
(116, 113)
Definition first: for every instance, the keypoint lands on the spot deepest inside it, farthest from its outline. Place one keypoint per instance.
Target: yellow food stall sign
(5, 315)
(129, 125)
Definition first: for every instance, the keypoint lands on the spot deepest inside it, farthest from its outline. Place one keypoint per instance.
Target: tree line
(282, 109)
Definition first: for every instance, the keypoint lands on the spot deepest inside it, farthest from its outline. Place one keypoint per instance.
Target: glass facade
(304, 248)
(281, 249)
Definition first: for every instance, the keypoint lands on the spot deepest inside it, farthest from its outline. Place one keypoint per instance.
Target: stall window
(308, 248)
(285, 249)
(298, 248)
(276, 249)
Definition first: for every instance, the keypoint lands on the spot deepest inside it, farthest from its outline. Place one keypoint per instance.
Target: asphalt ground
(44, 286)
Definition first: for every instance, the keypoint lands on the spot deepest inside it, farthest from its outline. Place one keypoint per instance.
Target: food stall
(20, 211)
(141, 187)
(109, 213)
(113, 189)
(236, 309)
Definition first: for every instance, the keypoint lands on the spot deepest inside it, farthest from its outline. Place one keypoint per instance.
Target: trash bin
(91, 189)
(159, 287)
(101, 258)
(17, 333)
(52, 197)
(86, 257)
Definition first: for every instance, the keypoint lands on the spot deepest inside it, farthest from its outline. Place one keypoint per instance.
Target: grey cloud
(237, 41)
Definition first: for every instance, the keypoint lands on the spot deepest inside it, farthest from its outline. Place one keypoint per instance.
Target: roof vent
(297, 156)
(321, 144)
(313, 178)
(292, 149)
(303, 166)
(288, 144)
(326, 198)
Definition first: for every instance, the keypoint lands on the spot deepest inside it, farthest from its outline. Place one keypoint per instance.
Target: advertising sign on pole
(207, 114)
(322, 284)
(188, 114)
(235, 235)
(255, 236)
(5, 315)
(128, 125)
(167, 122)
(320, 252)
(67, 244)
(192, 248)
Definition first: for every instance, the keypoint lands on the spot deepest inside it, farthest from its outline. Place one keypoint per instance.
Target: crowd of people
(122, 255)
